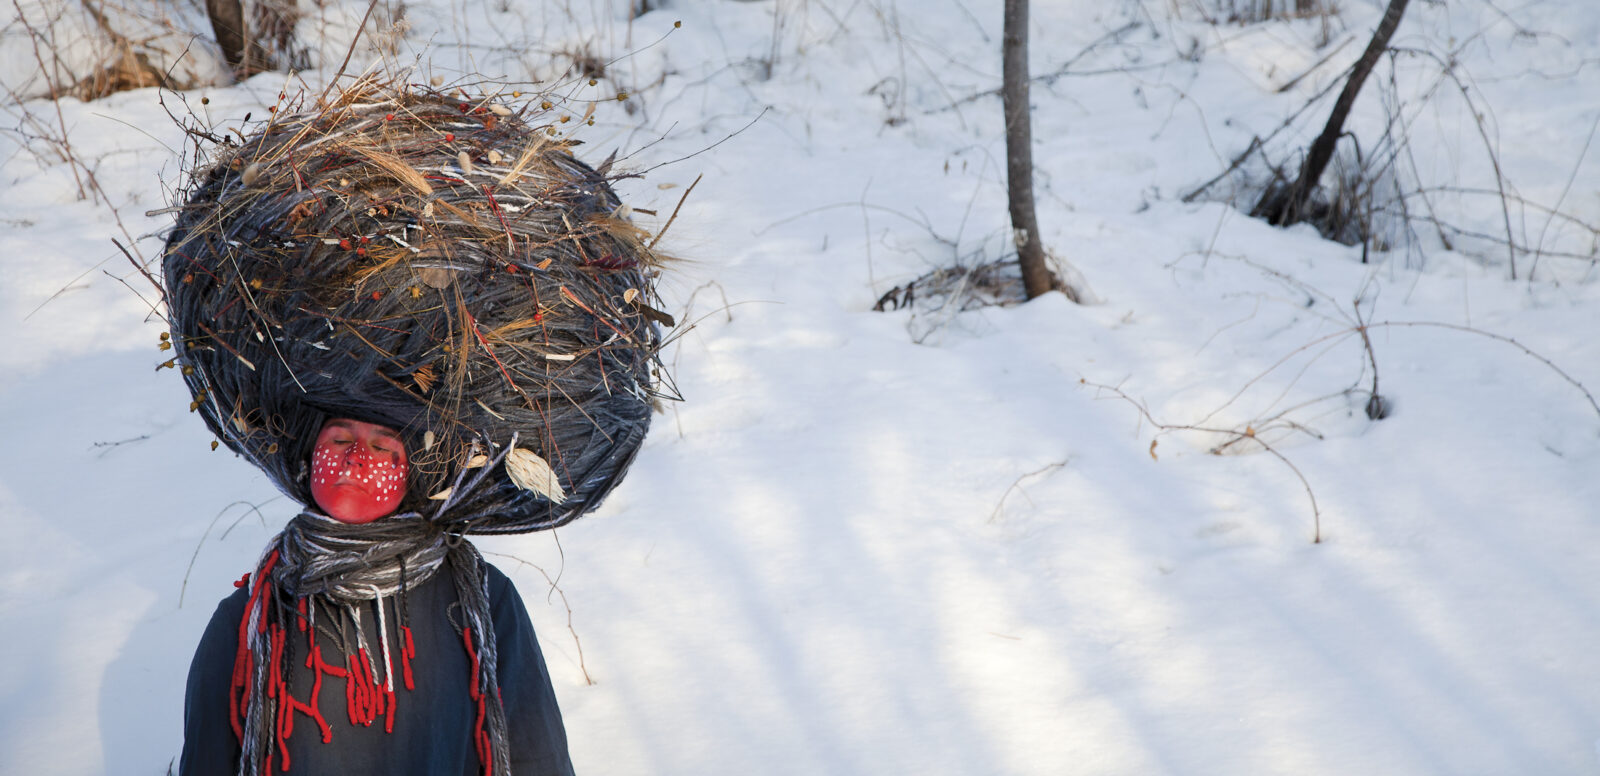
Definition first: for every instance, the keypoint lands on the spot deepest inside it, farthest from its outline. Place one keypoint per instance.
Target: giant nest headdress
(442, 266)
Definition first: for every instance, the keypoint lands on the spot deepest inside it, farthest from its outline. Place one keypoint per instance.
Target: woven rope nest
(439, 265)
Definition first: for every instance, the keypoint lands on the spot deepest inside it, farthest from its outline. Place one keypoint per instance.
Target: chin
(356, 519)
(353, 509)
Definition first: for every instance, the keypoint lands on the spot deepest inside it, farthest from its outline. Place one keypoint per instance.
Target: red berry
(376, 296)
(449, 137)
(361, 251)
(344, 244)
(389, 117)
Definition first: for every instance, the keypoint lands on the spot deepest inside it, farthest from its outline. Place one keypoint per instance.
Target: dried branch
(1235, 436)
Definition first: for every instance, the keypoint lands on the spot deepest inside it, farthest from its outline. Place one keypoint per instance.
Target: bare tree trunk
(1036, 276)
(1282, 207)
(272, 45)
(227, 24)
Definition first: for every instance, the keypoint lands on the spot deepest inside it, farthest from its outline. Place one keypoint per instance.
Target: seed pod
(530, 472)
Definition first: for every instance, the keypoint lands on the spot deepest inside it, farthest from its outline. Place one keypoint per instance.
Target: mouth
(347, 482)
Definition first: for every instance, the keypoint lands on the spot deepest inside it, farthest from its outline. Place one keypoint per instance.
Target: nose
(358, 455)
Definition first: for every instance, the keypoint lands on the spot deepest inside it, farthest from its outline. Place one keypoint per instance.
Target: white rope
(383, 637)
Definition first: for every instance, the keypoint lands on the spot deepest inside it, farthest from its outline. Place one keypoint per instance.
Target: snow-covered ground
(914, 541)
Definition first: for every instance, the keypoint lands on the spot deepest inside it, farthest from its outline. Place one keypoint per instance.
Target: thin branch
(674, 215)
(55, 99)
(1235, 435)
(1509, 341)
(995, 515)
(555, 587)
(323, 100)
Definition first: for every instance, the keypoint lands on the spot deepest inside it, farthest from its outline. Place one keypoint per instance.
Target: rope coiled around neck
(317, 563)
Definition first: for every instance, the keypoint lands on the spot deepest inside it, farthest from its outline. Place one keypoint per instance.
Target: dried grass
(377, 258)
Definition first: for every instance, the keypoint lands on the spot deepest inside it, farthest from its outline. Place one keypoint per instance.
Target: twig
(1539, 249)
(154, 308)
(140, 267)
(55, 99)
(1447, 69)
(995, 515)
(1376, 409)
(1248, 433)
(1255, 142)
(674, 215)
(70, 286)
(1261, 142)
(555, 587)
(1049, 79)
(109, 446)
(184, 587)
(360, 28)
(1509, 341)
(727, 309)
(1313, 68)
(730, 136)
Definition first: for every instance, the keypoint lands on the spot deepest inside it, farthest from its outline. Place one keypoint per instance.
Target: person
(350, 597)
(413, 374)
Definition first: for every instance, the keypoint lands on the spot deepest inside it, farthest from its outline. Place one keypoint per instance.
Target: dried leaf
(530, 472)
(495, 157)
(477, 460)
(655, 315)
(630, 295)
(427, 436)
(499, 110)
(465, 160)
(441, 495)
(436, 277)
(251, 173)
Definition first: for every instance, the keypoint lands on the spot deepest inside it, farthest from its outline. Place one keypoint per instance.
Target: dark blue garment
(433, 723)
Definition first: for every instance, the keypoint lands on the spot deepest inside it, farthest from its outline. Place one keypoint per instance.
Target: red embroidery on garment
(480, 737)
(406, 653)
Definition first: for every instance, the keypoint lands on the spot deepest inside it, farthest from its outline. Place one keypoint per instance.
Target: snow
(915, 541)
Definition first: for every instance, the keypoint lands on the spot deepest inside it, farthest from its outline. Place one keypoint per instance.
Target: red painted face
(358, 471)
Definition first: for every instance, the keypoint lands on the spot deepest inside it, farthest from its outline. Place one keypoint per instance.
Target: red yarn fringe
(365, 699)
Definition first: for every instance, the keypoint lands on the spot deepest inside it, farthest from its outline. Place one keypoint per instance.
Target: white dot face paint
(358, 470)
